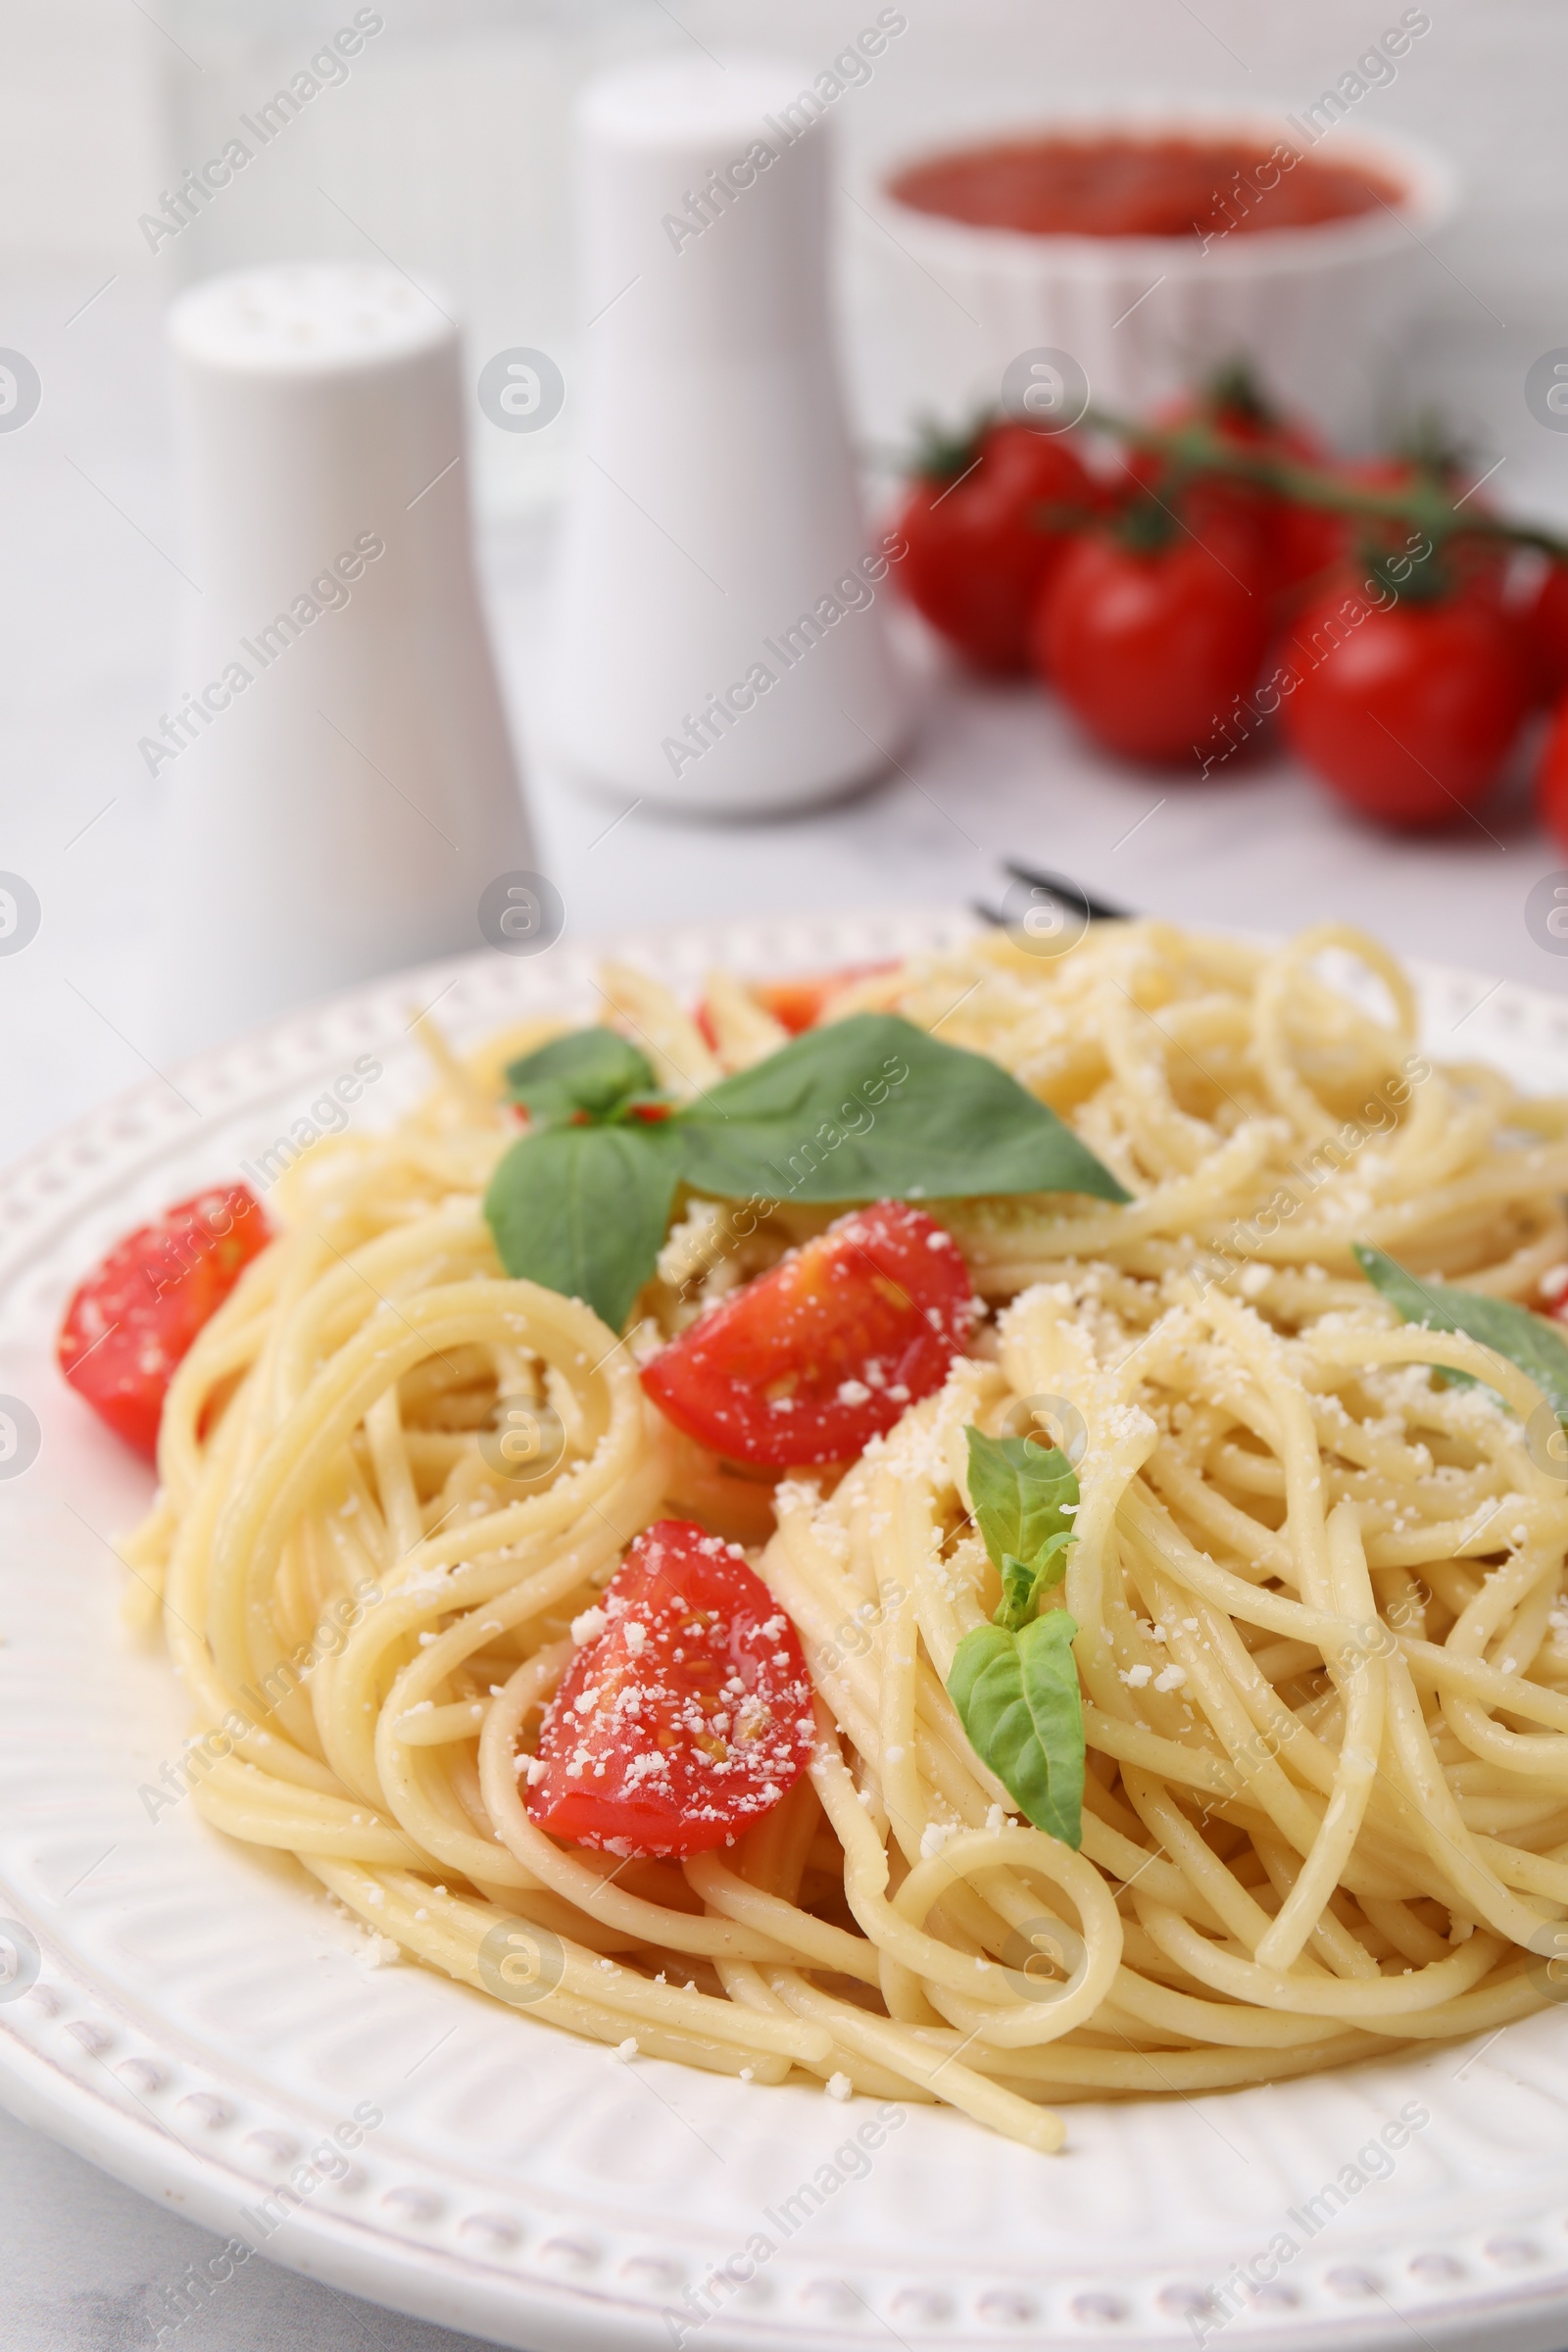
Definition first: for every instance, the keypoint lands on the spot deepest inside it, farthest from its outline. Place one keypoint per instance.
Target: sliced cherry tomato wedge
(800, 1003)
(1554, 1298)
(685, 1716)
(133, 1318)
(817, 1356)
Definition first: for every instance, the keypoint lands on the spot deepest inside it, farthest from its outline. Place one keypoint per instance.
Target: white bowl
(1322, 311)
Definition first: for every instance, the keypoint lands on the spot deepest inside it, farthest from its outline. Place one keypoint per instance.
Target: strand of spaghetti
(1108, 1232)
(866, 1880)
(746, 1034)
(393, 1340)
(1328, 1939)
(897, 1645)
(406, 1777)
(1225, 1713)
(1405, 1343)
(1255, 1545)
(1352, 1999)
(250, 1804)
(1358, 1756)
(899, 2048)
(588, 1998)
(1231, 2023)
(1276, 999)
(243, 1715)
(1236, 1908)
(225, 1347)
(1133, 1743)
(1028, 1853)
(793, 1568)
(820, 1943)
(1064, 2073)
(655, 1922)
(394, 1478)
(746, 1985)
(1436, 1817)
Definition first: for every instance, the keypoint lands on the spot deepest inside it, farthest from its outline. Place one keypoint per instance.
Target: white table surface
(87, 599)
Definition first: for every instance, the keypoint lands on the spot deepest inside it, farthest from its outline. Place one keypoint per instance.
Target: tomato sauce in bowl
(1119, 184)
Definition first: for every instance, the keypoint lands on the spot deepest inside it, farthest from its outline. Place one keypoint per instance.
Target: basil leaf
(584, 1210)
(871, 1108)
(1017, 1699)
(592, 1070)
(1017, 1592)
(867, 1109)
(1513, 1331)
(1019, 1489)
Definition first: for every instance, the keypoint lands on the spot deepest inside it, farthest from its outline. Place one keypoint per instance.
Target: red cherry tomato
(814, 1359)
(687, 1717)
(132, 1319)
(1475, 562)
(1150, 648)
(1545, 627)
(1299, 542)
(980, 548)
(1551, 806)
(1410, 712)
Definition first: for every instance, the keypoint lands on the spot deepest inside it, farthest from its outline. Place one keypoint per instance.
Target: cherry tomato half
(1408, 710)
(1149, 647)
(815, 1357)
(134, 1317)
(981, 545)
(799, 1003)
(686, 1716)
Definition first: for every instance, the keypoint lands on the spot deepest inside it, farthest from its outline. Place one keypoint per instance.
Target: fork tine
(1062, 886)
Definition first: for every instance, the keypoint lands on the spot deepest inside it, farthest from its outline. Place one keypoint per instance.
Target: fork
(1060, 886)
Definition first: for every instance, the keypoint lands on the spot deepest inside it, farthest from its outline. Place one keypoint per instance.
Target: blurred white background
(446, 147)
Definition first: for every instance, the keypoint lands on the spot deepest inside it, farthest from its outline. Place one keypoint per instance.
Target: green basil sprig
(1015, 1682)
(1501, 1324)
(592, 1070)
(869, 1108)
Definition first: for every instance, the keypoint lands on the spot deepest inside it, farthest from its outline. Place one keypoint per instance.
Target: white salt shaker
(339, 784)
(720, 642)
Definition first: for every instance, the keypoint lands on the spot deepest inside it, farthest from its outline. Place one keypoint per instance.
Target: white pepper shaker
(720, 642)
(340, 786)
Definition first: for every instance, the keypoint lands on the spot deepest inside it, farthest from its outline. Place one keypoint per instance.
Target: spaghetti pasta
(1322, 1644)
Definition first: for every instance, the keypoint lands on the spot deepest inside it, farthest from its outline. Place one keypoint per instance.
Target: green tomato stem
(1196, 449)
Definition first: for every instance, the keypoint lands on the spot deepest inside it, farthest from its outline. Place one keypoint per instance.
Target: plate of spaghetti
(848, 1628)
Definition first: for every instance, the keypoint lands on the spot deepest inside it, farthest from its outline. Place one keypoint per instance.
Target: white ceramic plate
(201, 2018)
